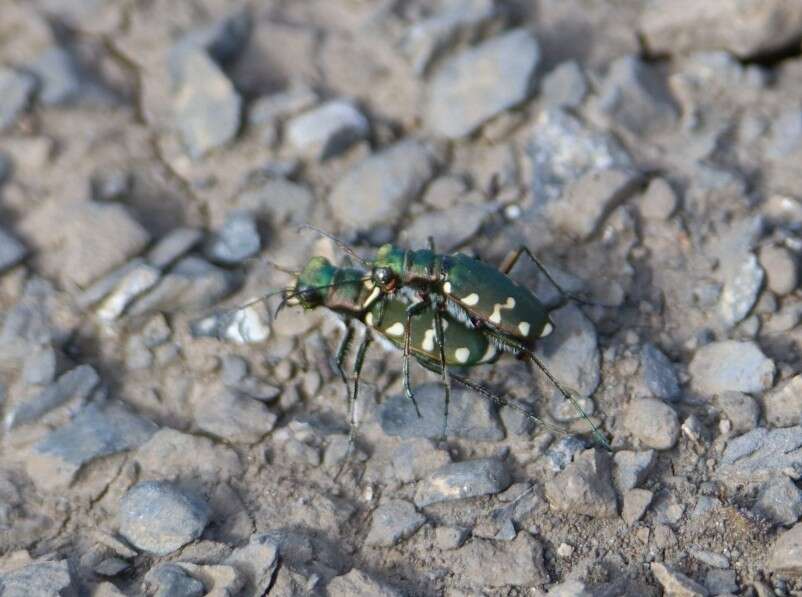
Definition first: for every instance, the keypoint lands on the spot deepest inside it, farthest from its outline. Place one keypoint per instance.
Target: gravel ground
(155, 155)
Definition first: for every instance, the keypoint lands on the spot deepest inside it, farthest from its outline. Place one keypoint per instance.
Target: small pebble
(780, 501)
(236, 241)
(16, 91)
(741, 290)
(783, 405)
(784, 555)
(659, 200)
(12, 251)
(676, 583)
(448, 538)
(584, 487)
(730, 365)
(392, 522)
(653, 423)
(636, 501)
(168, 580)
(327, 130)
(782, 273)
(564, 86)
(462, 480)
(740, 409)
(659, 374)
(632, 468)
(358, 584)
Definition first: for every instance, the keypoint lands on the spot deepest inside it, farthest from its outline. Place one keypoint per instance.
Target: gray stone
(632, 468)
(12, 251)
(635, 503)
(487, 563)
(460, 480)
(780, 501)
(675, 583)
(731, 366)
(328, 130)
(193, 283)
(378, 189)
(658, 373)
(74, 385)
(38, 579)
(571, 352)
(207, 107)
(786, 319)
(589, 199)
(40, 366)
(175, 244)
(561, 150)
(659, 201)
(233, 417)
(110, 566)
(59, 76)
(156, 331)
(219, 578)
(16, 92)
(416, 458)
(170, 454)
(780, 264)
(96, 431)
(741, 290)
(392, 522)
(170, 580)
(563, 451)
(358, 584)
(584, 487)
(564, 87)
(746, 29)
(137, 281)
(480, 83)
(28, 322)
(449, 228)
(235, 369)
(257, 389)
(448, 538)
(223, 41)
(137, 356)
(469, 415)
(721, 582)
(236, 241)
(786, 555)
(245, 325)
(273, 108)
(634, 97)
(710, 558)
(160, 517)
(783, 405)
(741, 410)
(258, 560)
(456, 21)
(570, 588)
(653, 423)
(279, 201)
(759, 455)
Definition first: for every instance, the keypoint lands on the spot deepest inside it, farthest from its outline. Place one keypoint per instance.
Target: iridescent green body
(474, 292)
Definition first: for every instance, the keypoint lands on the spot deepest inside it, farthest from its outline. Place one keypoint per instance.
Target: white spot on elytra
(495, 317)
(369, 319)
(447, 287)
(523, 327)
(489, 353)
(471, 299)
(372, 297)
(462, 354)
(397, 329)
(547, 329)
(428, 341)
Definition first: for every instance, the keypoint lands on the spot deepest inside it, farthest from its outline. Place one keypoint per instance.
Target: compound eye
(383, 275)
(307, 295)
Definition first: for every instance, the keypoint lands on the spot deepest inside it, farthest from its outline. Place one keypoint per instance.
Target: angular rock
(59, 76)
(358, 584)
(780, 501)
(561, 150)
(654, 423)
(378, 189)
(76, 384)
(328, 130)
(759, 455)
(588, 200)
(258, 560)
(172, 454)
(173, 245)
(675, 583)
(584, 487)
(518, 562)
(415, 458)
(786, 555)
(481, 82)
(783, 405)
(220, 579)
(782, 270)
(279, 201)
(635, 503)
(392, 522)
(460, 480)
(632, 468)
(741, 290)
(170, 580)
(449, 228)
(233, 417)
(45, 578)
(236, 241)
(633, 96)
(16, 92)
(96, 431)
(12, 251)
(658, 373)
(133, 284)
(564, 87)
(571, 352)
(246, 325)
(160, 517)
(40, 366)
(469, 415)
(659, 200)
(207, 107)
(741, 410)
(746, 29)
(730, 365)
(721, 582)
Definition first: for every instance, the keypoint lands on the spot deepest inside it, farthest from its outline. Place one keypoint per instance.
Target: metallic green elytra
(464, 347)
(476, 293)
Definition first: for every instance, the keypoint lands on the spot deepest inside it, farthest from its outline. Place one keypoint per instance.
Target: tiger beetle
(344, 291)
(472, 292)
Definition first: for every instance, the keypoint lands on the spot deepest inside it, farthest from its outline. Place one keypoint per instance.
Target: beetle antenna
(281, 268)
(337, 241)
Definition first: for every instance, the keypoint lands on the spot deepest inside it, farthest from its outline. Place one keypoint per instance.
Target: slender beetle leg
(412, 310)
(342, 350)
(352, 399)
(441, 341)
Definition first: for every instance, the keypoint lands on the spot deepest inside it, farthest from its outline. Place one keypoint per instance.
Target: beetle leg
(412, 310)
(441, 342)
(342, 350)
(352, 398)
